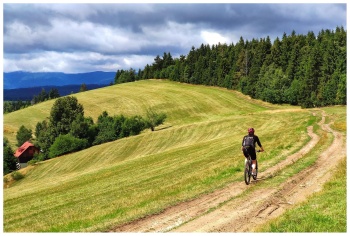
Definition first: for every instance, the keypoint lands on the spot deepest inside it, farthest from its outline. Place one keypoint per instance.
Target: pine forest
(305, 70)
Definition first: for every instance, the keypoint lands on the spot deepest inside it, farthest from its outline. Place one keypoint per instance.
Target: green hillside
(196, 151)
(183, 104)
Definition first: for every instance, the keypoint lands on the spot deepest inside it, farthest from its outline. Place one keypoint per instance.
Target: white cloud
(93, 46)
(66, 34)
(74, 62)
(213, 38)
(126, 61)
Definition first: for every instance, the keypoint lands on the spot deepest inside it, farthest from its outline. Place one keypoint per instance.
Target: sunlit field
(196, 151)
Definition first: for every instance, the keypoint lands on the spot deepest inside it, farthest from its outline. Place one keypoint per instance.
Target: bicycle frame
(248, 169)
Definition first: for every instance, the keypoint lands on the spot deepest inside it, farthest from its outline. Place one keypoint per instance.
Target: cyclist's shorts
(249, 151)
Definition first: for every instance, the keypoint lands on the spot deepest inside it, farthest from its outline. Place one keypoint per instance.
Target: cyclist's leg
(253, 165)
(246, 154)
(253, 155)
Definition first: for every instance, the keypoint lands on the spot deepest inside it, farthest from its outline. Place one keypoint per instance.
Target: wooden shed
(25, 153)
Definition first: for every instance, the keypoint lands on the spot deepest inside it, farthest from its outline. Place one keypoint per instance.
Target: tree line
(10, 106)
(298, 69)
(44, 96)
(125, 76)
(68, 130)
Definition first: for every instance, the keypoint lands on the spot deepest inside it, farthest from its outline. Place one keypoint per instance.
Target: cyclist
(248, 147)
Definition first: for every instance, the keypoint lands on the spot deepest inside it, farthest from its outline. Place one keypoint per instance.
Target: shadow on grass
(164, 128)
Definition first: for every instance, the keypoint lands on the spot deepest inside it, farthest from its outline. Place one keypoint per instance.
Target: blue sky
(75, 38)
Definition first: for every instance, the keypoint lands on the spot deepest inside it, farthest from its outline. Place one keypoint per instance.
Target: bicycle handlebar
(255, 150)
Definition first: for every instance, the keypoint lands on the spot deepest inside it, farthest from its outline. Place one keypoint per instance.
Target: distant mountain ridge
(23, 79)
(28, 93)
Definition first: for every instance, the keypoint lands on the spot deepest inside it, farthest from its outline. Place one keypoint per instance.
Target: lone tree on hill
(23, 135)
(154, 119)
(63, 112)
(83, 88)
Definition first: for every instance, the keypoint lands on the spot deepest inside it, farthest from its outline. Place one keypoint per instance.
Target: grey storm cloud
(150, 29)
(132, 16)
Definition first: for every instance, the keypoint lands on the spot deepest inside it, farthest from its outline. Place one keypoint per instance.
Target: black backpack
(249, 141)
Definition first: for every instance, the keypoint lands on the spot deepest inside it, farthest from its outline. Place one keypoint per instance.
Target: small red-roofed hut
(25, 153)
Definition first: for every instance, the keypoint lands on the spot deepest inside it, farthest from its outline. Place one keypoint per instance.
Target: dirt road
(242, 214)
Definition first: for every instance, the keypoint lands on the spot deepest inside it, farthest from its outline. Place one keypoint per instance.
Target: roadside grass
(325, 211)
(117, 182)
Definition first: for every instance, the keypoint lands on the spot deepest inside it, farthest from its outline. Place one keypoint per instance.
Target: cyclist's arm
(242, 144)
(258, 142)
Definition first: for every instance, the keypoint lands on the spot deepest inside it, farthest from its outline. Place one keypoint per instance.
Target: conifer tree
(83, 88)
(285, 49)
(276, 53)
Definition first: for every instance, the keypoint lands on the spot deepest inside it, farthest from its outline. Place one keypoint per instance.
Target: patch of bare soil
(244, 213)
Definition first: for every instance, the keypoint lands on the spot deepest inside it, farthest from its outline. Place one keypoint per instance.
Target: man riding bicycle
(248, 147)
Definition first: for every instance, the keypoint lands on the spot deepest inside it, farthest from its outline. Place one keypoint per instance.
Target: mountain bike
(248, 170)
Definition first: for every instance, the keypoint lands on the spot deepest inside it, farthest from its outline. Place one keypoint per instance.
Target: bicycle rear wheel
(247, 172)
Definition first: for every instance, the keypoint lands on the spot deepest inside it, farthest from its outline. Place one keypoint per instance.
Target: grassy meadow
(196, 151)
(183, 104)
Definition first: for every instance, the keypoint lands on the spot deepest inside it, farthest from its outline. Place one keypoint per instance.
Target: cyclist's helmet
(251, 130)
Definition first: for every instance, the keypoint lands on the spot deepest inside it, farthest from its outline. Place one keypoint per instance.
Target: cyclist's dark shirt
(256, 140)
